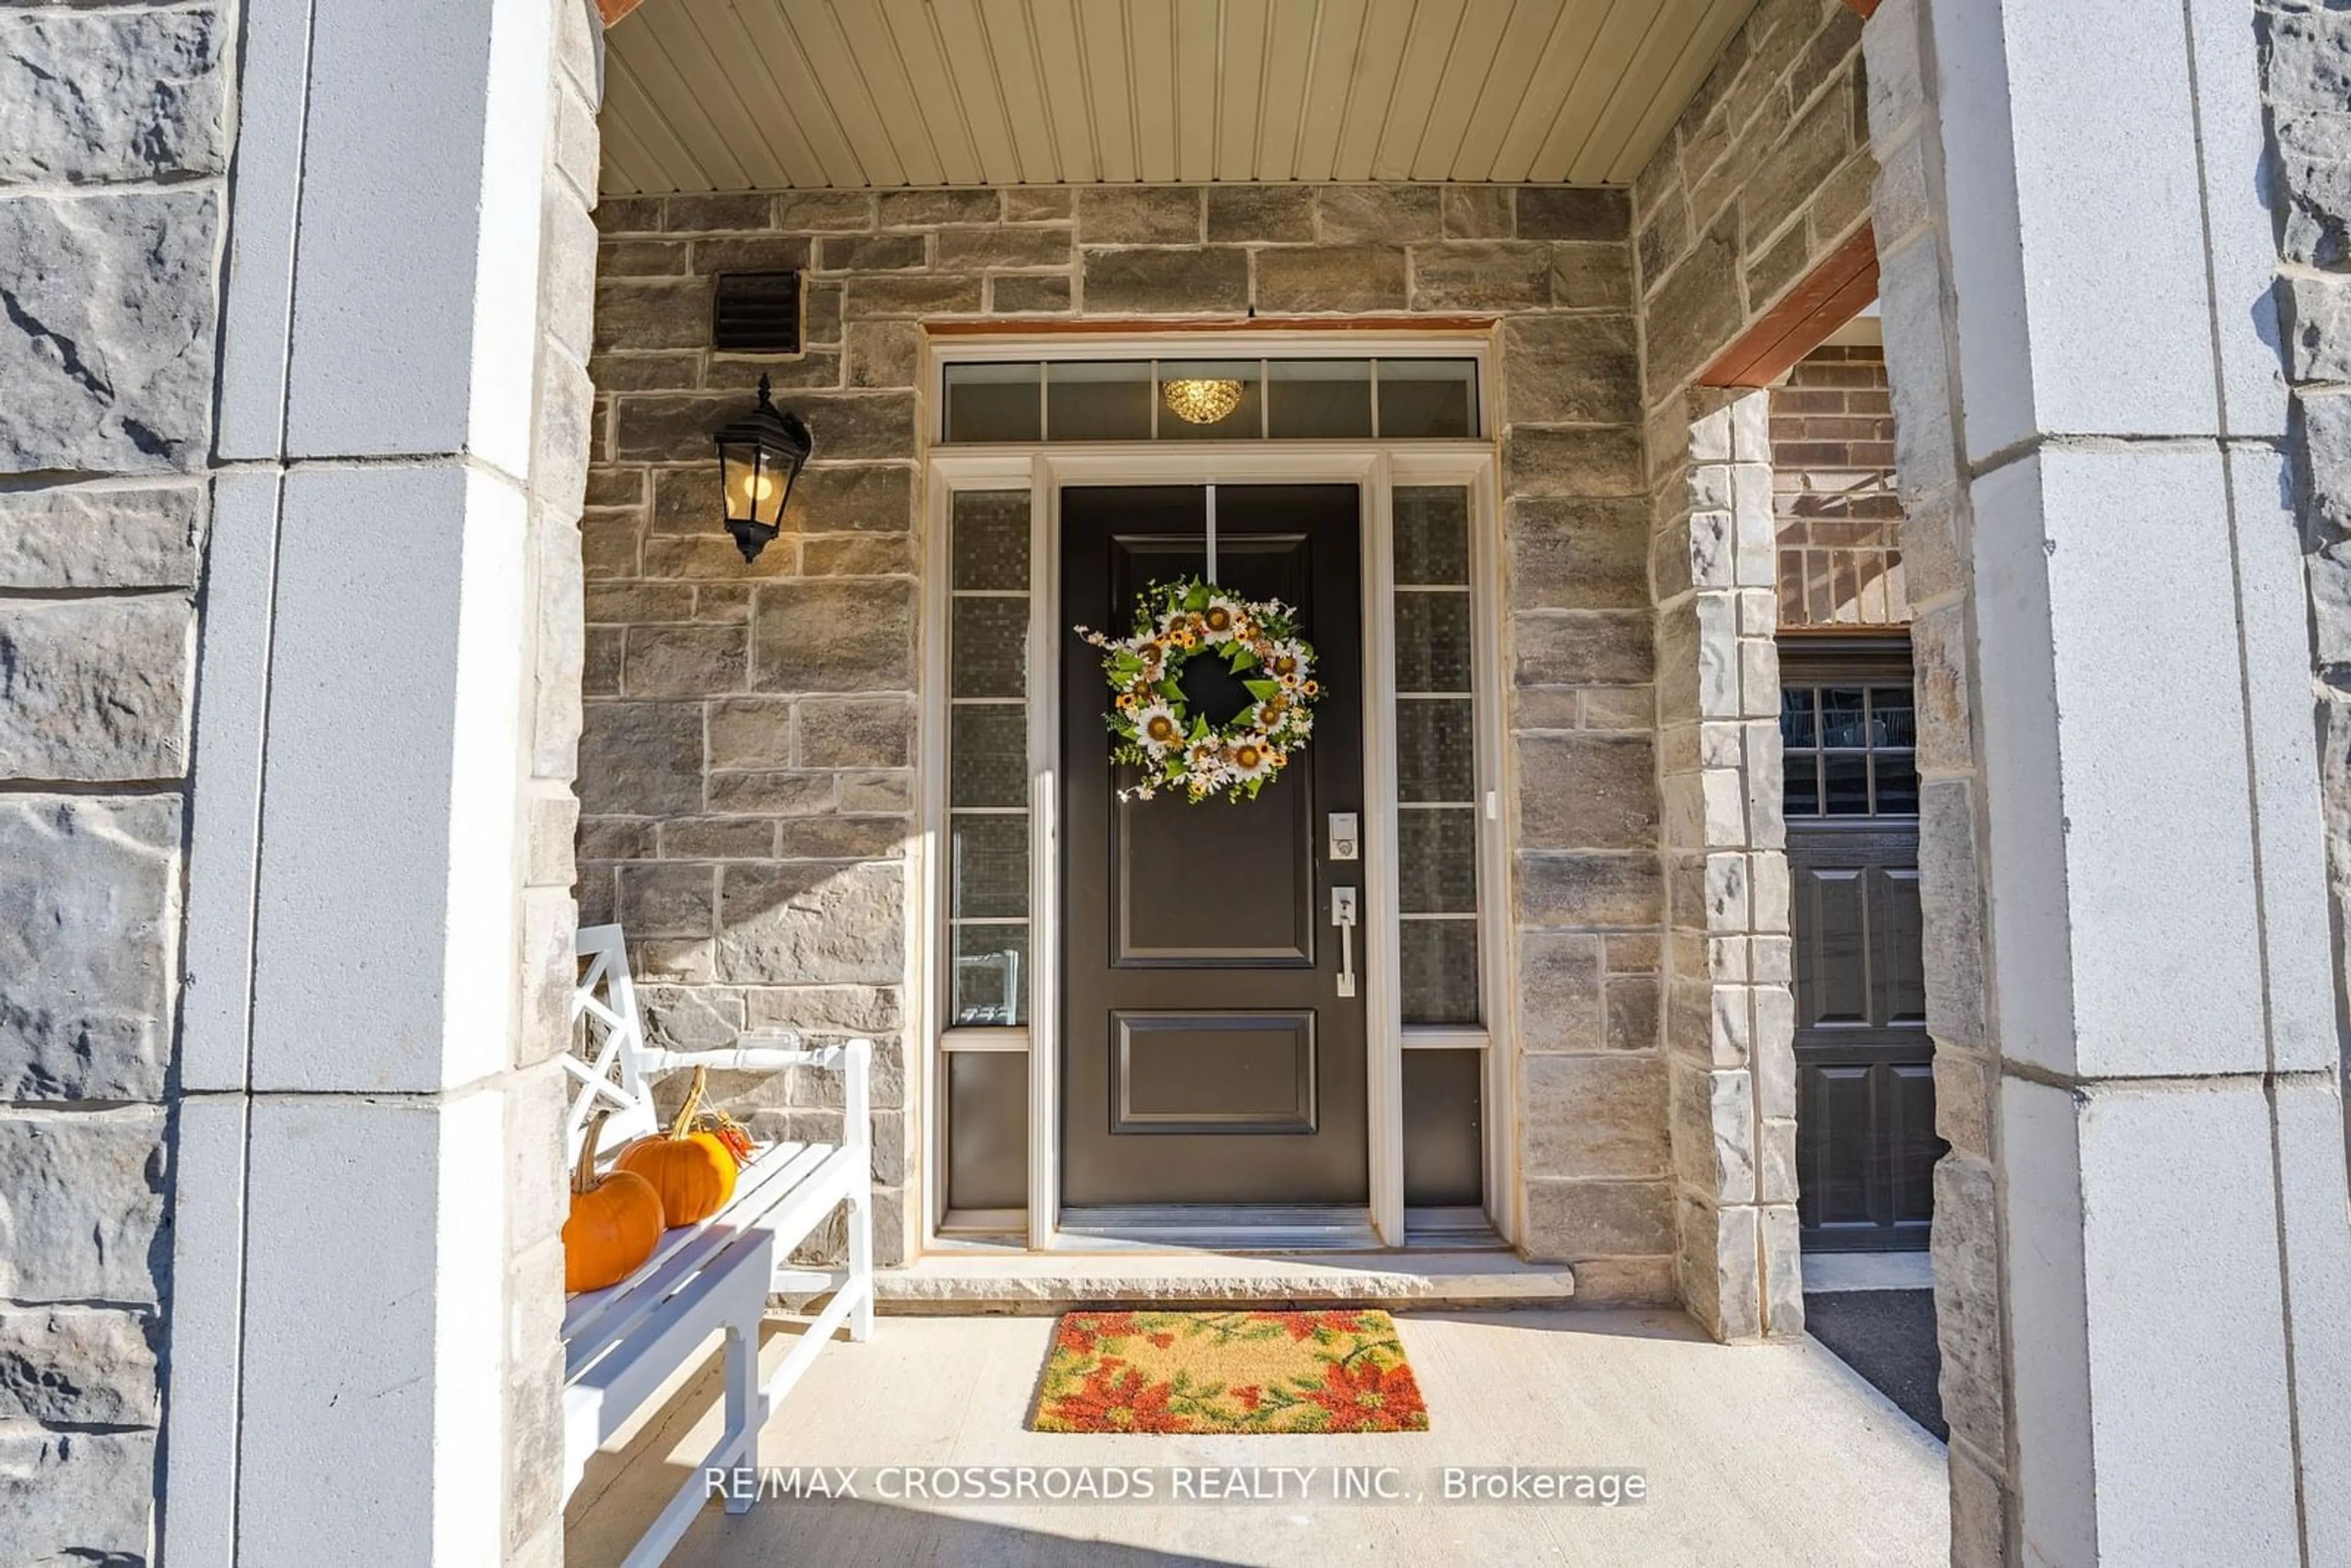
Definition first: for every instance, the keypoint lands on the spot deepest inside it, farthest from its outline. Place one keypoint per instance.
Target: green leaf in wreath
(1196, 597)
(1264, 691)
(1199, 729)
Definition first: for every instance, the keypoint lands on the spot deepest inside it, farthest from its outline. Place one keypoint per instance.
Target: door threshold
(1212, 1227)
(1004, 1280)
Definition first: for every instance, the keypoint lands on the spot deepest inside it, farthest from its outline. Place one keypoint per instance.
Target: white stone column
(2140, 1231)
(368, 1179)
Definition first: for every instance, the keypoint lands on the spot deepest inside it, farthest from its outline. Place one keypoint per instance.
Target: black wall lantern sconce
(759, 456)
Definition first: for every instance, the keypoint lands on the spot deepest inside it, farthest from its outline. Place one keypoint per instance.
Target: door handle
(1342, 916)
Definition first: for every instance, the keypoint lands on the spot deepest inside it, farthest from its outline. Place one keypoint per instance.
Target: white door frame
(1375, 468)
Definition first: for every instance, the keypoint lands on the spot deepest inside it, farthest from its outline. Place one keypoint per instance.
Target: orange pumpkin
(615, 1221)
(694, 1172)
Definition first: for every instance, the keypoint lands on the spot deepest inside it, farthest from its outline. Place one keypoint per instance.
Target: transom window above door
(1851, 750)
(1216, 399)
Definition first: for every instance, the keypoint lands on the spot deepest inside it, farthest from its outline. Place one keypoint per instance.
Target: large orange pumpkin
(615, 1221)
(692, 1171)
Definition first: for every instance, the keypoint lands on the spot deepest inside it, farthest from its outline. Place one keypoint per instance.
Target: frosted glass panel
(988, 748)
(1435, 749)
(1437, 860)
(1432, 641)
(1098, 401)
(990, 647)
(1431, 535)
(988, 984)
(993, 402)
(991, 539)
(1439, 960)
(988, 873)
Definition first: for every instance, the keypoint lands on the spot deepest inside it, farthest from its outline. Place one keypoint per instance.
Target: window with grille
(1851, 750)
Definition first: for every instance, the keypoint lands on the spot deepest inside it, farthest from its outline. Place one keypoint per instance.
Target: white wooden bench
(622, 1343)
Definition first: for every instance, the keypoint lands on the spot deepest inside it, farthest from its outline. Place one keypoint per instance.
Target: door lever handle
(1342, 916)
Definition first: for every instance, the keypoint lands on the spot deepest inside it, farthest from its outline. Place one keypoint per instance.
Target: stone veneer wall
(114, 143)
(2306, 82)
(1766, 173)
(747, 769)
(1833, 489)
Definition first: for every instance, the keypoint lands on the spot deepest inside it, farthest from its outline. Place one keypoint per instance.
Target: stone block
(774, 793)
(1560, 995)
(873, 253)
(96, 689)
(2315, 177)
(1571, 1220)
(659, 900)
(833, 635)
(84, 537)
(1575, 212)
(88, 943)
(1586, 791)
(812, 923)
(868, 1010)
(1479, 212)
(849, 427)
(718, 839)
(754, 252)
(1591, 276)
(1590, 890)
(1376, 214)
(1586, 461)
(751, 732)
(78, 1366)
(864, 734)
(1587, 647)
(641, 314)
(1320, 280)
(909, 294)
(123, 96)
(685, 660)
(641, 257)
(1967, 1303)
(1167, 282)
(2318, 326)
(107, 341)
(832, 838)
(1139, 214)
(1559, 369)
(1695, 312)
(568, 264)
(812, 211)
(77, 1497)
(1038, 203)
(641, 758)
(857, 555)
(733, 214)
(553, 833)
(1282, 215)
(1490, 276)
(83, 1217)
(917, 209)
(996, 248)
(1594, 1116)
(1025, 296)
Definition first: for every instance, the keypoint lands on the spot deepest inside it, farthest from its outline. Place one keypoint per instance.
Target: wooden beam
(1865, 8)
(614, 10)
(1837, 288)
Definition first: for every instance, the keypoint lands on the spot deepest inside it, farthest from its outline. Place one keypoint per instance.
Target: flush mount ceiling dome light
(1201, 401)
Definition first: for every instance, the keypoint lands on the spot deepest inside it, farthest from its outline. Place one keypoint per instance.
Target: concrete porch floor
(1753, 1454)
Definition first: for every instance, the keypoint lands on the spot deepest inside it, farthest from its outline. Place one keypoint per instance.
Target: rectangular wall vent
(757, 313)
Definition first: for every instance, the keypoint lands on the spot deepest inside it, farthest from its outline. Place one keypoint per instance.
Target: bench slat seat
(622, 1343)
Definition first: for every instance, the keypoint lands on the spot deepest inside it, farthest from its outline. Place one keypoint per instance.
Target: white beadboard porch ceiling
(735, 94)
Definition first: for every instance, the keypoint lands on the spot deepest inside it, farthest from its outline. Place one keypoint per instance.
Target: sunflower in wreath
(1156, 733)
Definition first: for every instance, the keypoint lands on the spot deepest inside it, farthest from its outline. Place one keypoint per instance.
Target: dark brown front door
(1866, 1143)
(1208, 1056)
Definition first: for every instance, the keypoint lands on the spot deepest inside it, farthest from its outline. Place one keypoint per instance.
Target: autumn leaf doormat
(1228, 1372)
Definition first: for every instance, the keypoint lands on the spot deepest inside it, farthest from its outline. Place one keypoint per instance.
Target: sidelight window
(988, 761)
(1436, 757)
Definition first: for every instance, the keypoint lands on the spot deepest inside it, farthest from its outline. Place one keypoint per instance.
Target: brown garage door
(1866, 1144)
